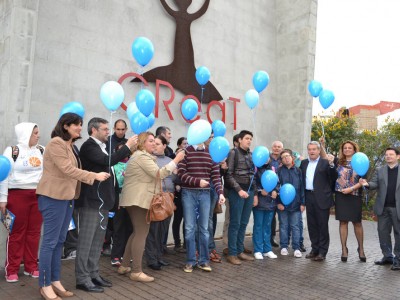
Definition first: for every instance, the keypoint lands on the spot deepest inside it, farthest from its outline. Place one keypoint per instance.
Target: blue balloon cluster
(145, 102)
(142, 50)
(151, 119)
(5, 167)
(218, 128)
(202, 75)
(260, 80)
(112, 95)
(189, 109)
(360, 163)
(287, 193)
(219, 148)
(269, 180)
(73, 107)
(199, 131)
(260, 156)
(131, 110)
(251, 97)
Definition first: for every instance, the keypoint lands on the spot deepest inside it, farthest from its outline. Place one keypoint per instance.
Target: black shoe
(302, 248)
(100, 281)
(343, 258)
(91, 288)
(163, 263)
(319, 257)
(106, 251)
(311, 255)
(155, 267)
(274, 243)
(384, 261)
(362, 258)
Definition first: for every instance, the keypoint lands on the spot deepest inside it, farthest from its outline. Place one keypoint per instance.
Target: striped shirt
(198, 165)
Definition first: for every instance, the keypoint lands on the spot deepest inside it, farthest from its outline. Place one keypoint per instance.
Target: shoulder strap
(40, 148)
(14, 152)
(236, 157)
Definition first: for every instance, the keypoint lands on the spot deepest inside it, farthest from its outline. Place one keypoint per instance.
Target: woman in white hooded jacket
(18, 195)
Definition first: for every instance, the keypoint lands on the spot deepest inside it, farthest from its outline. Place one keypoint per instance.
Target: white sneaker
(270, 254)
(284, 251)
(258, 255)
(297, 253)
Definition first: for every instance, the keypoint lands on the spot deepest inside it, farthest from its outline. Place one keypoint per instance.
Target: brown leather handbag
(162, 205)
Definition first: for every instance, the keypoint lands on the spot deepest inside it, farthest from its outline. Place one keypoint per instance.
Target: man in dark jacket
(97, 200)
(318, 177)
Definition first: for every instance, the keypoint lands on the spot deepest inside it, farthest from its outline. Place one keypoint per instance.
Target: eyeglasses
(285, 156)
(104, 129)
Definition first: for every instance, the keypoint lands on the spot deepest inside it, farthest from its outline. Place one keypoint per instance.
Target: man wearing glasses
(318, 176)
(96, 200)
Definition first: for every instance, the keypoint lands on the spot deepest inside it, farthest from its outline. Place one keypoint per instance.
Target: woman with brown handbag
(137, 193)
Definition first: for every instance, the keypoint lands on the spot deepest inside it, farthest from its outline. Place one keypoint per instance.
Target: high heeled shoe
(44, 296)
(344, 258)
(62, 293)
(362, 258)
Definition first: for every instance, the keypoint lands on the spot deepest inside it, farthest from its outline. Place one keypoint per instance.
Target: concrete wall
(56, 51)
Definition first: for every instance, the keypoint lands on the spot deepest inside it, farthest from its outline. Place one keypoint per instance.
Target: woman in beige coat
(137, 192)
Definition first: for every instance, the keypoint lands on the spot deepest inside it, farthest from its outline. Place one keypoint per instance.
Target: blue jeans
(262, 230)
(301, 231)
(56, 215)
(289, 221)
(196, 211)
(239, 210)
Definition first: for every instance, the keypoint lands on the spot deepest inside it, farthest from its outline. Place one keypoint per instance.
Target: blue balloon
(142, 50)
(5, 167)
(360, 163)
(139, 123)
(145, 102)
(260, 80)
(189, 109)
(131, 110)
(219, 149)
(199, 132)
(269, 180)
(287, 193)
(260, 156)
(218, 128)
(73, 107)
(112, 94)
(326, 98)
(315, 88)
(252, 98)
(151, 118)
(202, 75)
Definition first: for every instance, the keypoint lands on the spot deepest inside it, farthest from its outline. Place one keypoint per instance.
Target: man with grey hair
(318, 175)
(95, 201)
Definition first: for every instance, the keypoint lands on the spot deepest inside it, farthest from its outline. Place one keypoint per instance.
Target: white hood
(24, 131)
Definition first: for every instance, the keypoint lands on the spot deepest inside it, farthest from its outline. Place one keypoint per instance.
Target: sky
(358, 52)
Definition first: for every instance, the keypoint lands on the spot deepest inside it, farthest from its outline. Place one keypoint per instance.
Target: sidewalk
(281, 278)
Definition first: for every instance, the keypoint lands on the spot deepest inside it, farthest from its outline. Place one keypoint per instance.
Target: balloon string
(323, 135)
(201, 99)
(110, 144)
(254, 125)
(141, 71)
(101, 205)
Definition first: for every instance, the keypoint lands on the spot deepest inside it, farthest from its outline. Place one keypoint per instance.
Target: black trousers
(155, 241)
(121, 233)
(178, 217)
(317, 221)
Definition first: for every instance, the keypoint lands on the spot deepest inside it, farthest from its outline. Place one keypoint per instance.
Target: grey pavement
(281, 278)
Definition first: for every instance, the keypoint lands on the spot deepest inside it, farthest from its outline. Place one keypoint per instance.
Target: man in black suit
(318, 175)
(96, 201)
(386, 180)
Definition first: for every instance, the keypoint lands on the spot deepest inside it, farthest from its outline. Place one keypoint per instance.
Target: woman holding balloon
(291, 203)
(348, 202)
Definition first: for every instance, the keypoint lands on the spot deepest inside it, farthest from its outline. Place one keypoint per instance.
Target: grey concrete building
(56, 51)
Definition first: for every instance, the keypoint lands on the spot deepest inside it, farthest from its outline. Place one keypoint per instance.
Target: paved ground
(282, 278)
